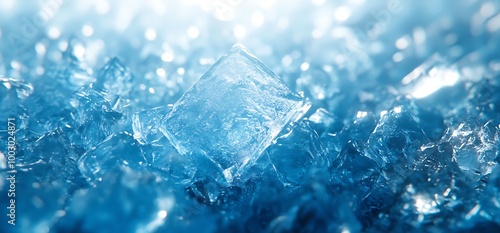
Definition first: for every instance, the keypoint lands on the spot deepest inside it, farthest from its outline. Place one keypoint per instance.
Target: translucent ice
(435, 195)
(95, 114)
(141, 198)
(115, 77)
(397, 138)
(317, 84)
(71, 71)
(357, 167)
(296, 154)
(316, 211)
(474, 146)
(234, 111)
(146, 124)
(324, 122)
(90, 89)
(95, 163)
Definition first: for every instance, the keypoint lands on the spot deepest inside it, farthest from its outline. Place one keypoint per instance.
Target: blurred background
(170, 44)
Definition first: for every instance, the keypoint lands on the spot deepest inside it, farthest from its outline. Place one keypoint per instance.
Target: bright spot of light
(437, 79)
(382, 113)
(15, 65)
(87, 30)
(419, 36)
(257, 19)
(150, 34)
(102, 7)
(397, 109)
(161, 72)
(493, 24)
(167, 56)
(425, 205)
(487, 10)
(304, 66)
(181, 71)
(286, 60)
(398, 57)
(318, 2)
(162, 214)
(40, 70)
(54, 33)
(7, 4)
(239, 32)
(402, 43)
(40, 48)
(361, 114)
(342, 13)
(193, 32)
(345, 230)
(266, 4)
(79, 50)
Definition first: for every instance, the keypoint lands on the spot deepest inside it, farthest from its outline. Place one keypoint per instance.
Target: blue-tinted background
(404, 151)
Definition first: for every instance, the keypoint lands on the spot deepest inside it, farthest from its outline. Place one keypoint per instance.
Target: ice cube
(233, 112)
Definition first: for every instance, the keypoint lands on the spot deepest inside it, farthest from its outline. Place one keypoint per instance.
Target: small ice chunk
(12, 92)
(474, 146)
(115, 77)
(297, 154)
(117, 150)
(94, 116)
(233, 112)
(397, 138)
(357, 167)
(72, 71)
(145, 124)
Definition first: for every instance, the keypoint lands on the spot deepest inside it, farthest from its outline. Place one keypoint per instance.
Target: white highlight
(87, 30)
(342, 13)
(193, 32)
(54, 33)
(150, 34)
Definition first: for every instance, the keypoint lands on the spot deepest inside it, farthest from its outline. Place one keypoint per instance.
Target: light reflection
(435, 81)
(162, 214)
(239, 32)
(361, 114)
(425, 205)
(431, 76)
(342, 13)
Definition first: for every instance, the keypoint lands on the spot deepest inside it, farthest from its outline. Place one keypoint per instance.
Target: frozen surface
(127, 119)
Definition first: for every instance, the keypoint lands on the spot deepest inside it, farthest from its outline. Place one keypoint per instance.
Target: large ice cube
(233, 112)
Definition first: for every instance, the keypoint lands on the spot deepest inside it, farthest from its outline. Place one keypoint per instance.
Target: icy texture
(357, 167)
(95, 115)
(296, 154)
(401, 135)
(474, 146)
(108, 154)
(233, 112)
(115, 77)
(396, 139)
(146, 124)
